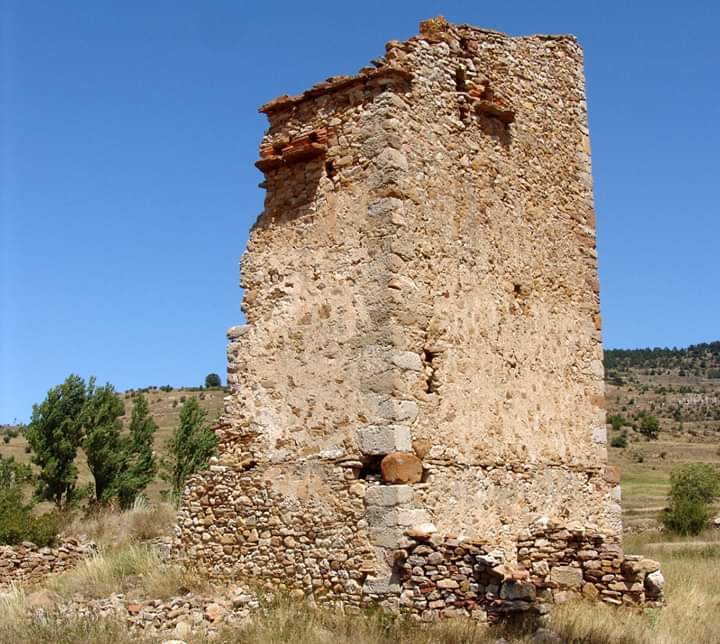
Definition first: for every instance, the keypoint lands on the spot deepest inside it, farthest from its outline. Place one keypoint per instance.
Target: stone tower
(422, 358)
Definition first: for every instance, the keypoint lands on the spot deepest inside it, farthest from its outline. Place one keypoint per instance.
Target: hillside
(681, 387)
(165, 409)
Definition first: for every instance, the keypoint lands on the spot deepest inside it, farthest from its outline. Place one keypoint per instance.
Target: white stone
(655, 582)
(391, 158)
(395, 409)
(388, 494)
(380, 586)
(599, 435)
(407, 360)
(384, 439)
(597, 369)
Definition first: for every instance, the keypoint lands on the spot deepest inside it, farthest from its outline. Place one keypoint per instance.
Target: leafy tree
(54, 434)
(140, 465)
(696, 481)
(693, 488)
(102, 442)
(616, 421)
(649, 426)
(212, 380)
(190, 447)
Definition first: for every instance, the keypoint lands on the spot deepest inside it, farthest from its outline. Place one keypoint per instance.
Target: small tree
(17, 520)
(212, 380)
(140, 465)
(649, 426)
(693, 488)
(190, 447)
(616, 421)
(54, 434)
(620, 441)
(13, 473)
(102, 444)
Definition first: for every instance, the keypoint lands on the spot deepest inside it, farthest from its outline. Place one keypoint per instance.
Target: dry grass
(284, 622)
(109, 529)
(136, 571)
(692, 614)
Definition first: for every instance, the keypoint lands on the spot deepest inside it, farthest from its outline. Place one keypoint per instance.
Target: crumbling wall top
(390, 67)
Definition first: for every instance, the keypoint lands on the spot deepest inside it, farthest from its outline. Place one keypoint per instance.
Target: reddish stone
(401, 467)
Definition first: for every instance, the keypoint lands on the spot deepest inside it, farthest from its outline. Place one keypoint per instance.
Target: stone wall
(422, 343)
(447, 577)
(30, 564)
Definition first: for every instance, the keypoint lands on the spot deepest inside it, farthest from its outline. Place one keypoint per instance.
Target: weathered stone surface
(389, 495)
(401, 467)
(655, 583)
(383, 439)
(566, 576)
(423, 276)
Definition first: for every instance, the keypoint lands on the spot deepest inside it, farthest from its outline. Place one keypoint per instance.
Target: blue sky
(128, 132)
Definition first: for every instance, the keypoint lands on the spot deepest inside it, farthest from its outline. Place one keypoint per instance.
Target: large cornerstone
(415, 414)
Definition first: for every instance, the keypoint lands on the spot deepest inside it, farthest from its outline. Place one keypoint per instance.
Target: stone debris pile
(177, 617)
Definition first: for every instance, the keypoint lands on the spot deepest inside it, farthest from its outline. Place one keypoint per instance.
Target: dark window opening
(371, 468)
(460, 80)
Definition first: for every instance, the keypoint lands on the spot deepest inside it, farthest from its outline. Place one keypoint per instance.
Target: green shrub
(693, 488)
(17, 523)
(686, 516)
(695, 481)
(649, 426)
(619, 441)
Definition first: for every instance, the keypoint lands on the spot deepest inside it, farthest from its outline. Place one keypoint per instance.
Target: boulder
(654, 584)
(401, 467)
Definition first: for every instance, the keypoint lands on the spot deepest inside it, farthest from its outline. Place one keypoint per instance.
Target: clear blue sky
(128, 132)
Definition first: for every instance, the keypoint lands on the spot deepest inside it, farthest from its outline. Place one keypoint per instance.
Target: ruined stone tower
(421, 365)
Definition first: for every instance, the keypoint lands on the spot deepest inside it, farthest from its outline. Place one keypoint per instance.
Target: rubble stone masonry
(422, 352)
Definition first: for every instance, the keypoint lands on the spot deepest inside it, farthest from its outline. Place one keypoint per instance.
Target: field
(680, 388)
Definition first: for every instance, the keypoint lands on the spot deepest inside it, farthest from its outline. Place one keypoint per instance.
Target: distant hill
(701, 360)
(681, 387)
